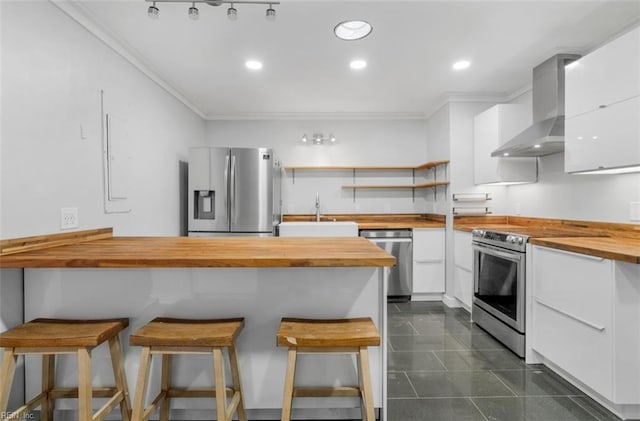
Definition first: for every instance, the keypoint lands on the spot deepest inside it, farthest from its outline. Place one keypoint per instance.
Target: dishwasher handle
(389, 240)
(386, 234)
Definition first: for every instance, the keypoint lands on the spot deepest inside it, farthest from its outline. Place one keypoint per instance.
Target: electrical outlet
(68, 218)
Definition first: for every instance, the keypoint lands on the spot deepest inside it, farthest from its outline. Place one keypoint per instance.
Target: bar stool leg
(237, 386)
(165, 386)
(365, 384)
(221, 393)
(48, 383)
(288, 385)
(121, 381)
(141, 385)
(85, 391)
(7, 371)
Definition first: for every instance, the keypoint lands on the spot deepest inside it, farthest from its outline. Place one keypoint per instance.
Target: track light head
(194, 13)
(232, 13)
(153, 12)
(271, 13)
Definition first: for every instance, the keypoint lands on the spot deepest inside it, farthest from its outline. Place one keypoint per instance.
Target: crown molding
(84, 18)
(320, 116)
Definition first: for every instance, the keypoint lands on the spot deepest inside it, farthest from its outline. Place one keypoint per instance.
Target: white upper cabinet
(603, 107)
(607, 75)
(491, 129)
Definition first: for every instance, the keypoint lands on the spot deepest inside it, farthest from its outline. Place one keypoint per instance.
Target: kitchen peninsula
(261, 279)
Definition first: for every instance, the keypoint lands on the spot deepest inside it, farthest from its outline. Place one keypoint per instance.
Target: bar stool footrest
(326, 392)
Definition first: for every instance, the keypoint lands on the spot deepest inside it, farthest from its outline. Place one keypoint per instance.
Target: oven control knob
(520, 240)
(478, 233)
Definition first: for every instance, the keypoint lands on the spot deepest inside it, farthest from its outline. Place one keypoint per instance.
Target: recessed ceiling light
(461, 65)
(358, 64)
(537, 146)
(253, 64)
(352, 30)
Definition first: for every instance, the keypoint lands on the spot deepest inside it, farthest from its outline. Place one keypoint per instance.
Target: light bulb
(304, 138)
(232, 13)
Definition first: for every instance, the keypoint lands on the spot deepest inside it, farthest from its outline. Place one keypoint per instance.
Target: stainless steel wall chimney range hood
(546, 135)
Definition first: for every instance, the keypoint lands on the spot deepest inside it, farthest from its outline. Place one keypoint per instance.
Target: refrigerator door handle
(226, 190)
(233, 188)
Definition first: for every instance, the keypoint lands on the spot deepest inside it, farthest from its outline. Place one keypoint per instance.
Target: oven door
(498, 280)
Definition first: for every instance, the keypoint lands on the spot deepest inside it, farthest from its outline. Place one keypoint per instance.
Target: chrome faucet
(317, 207)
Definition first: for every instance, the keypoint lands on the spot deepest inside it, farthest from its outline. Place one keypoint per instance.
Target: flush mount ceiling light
(232, 13)
(352, 30)
(253, 64)
(461, 65)
(358, 64)
(318, 139)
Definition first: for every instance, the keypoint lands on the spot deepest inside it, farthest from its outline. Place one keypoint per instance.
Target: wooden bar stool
(167, 337)
(51, 337)
(328, 336)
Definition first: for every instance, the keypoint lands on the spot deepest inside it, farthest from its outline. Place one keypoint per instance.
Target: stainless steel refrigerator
(233, 191)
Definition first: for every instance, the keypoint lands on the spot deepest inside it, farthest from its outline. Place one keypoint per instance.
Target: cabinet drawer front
(462, 251)
(428, 243)
(428, 276)
(578, 285)
(605, 138)
(584, 352)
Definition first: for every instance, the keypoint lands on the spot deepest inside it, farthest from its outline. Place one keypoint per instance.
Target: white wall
(568, 196)
(52, 74)
(362, 142)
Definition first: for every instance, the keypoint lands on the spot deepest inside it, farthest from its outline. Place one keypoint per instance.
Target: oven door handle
(515, 256)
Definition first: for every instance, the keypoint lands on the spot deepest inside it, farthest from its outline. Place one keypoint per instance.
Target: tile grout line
(583, 407)
(478, 409)
(505, 385)
(440, 361)
(411, 384)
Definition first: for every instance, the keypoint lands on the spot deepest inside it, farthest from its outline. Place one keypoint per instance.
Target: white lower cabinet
(463, 267)
(428, 261)
(586, 321)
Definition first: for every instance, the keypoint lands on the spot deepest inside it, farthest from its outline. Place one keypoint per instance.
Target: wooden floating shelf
(425, 166)
(397, 186)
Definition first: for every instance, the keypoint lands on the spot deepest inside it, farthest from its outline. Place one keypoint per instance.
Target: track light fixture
(232, 13)
(153, 12)
(194, 13)
(318, 139)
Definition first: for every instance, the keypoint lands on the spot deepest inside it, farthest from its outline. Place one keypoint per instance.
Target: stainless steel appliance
(399, 244)
(233, 191)
(499, 286)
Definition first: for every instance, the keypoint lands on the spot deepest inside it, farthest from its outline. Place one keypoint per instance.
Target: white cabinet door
(491, 129)
(605, 76)
(604, 138)
(463, 267)
(428, 260)
(572, 315)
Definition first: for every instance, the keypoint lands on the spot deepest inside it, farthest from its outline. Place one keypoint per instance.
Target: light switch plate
(68, 218)
(634, 211)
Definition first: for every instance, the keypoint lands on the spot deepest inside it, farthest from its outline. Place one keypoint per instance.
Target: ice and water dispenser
(204, 204)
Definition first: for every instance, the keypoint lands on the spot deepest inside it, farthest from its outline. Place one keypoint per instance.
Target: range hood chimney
(546, 135)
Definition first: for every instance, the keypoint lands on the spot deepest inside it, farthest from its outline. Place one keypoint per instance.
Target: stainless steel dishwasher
(398, 243)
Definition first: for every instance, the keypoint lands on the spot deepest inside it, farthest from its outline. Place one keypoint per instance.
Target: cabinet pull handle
(602, 106)
(428, 260)
(576, 318)
(571, 253)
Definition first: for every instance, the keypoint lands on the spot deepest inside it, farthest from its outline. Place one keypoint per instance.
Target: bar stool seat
(51, 337)
(169, 336)
(312, 336)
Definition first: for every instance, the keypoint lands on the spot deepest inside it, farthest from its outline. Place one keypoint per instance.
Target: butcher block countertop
(608, 240)
(243, 252)
(623, 249)
(379, 221)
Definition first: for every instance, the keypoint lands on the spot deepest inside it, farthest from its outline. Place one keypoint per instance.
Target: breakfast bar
(260, 279)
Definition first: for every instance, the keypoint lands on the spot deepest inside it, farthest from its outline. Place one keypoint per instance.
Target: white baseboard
(451, 302)
(427, 297)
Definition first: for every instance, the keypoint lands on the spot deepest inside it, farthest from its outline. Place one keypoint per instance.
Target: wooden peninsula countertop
(156, 252)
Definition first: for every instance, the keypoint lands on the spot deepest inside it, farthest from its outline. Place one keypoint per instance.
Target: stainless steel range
(499, 260)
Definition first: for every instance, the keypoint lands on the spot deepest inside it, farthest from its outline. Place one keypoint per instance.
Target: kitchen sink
(319, 229)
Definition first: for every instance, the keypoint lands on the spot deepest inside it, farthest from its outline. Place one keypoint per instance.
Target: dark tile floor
(442, 367)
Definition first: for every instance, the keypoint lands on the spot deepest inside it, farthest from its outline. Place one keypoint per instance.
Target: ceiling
(306, 68)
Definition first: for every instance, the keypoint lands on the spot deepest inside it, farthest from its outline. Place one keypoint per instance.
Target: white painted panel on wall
(118, 158)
